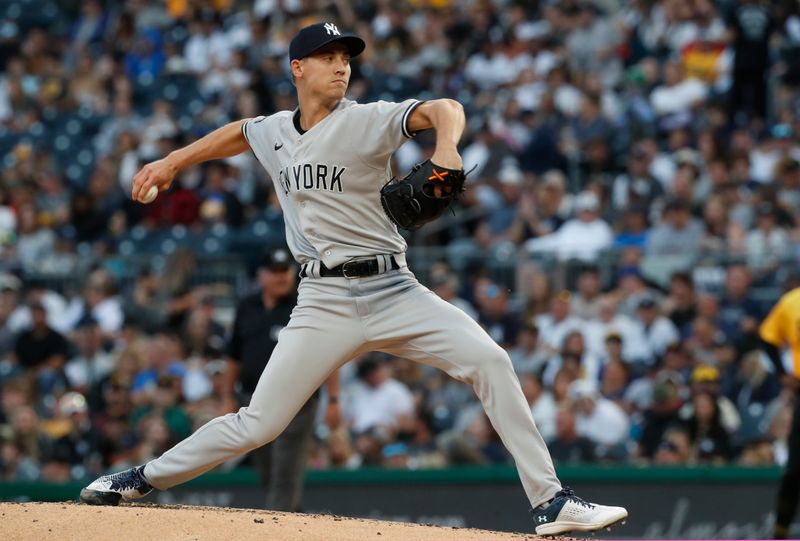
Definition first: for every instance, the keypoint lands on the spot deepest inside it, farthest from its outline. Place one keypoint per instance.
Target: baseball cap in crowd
(582, 388)
(72, 402)
(9, 282)
(705, 372)
(86, 321)
(647, 302)
(366, 367)
(629, 270)
(586, 201)
(316, 36)
(279, 258)
(215, 367)
(510, 175)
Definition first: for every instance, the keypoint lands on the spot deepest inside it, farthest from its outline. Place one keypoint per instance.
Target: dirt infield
(144, 522)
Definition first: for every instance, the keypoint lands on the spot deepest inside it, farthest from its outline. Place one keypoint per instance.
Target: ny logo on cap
(330, 28)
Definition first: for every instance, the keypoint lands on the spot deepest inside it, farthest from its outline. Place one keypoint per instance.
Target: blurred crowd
(636, 167)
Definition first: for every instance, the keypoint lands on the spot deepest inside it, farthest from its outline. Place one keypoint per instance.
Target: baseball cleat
(111, 489)
(568, 513)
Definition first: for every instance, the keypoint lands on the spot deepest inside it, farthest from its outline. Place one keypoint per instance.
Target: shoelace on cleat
(568, 493)
(126, 480)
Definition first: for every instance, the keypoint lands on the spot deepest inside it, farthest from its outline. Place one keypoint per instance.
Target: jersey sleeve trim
(247, 123)
(244, 133)
(407, 115)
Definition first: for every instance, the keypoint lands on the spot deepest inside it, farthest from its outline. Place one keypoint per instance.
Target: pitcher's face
(325, 73)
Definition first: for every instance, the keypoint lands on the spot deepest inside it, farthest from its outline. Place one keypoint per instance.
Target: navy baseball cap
(279, 258)
(315, 36)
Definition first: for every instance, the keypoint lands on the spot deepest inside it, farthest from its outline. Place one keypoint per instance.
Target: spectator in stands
(678, 233)
(600, 420)
(752, 25)
(662, 413)
(91, 363)
(74, 452)
(567, 446)
(710, 440)
(535, 288)
(675, 448)
(659, 330)
(141, 303)
(446, 284)
(637, 186)
(42, 352)
(706, 379)
(376, 400)
(99, 301)
(616, 375)
(704, 339)
(633, 229)
(495, 314)
(582, 237)
(631, 288)
(203, 336)
(540, 210)
(585, 303)
(34, 241)
(219, 202)
(557, 323)
(510, 179)
(787, 180)
(165, 405)
(10, 287)
(718, 235)
(739, 312)
(768, 243)
(680, 303)
(528, 355)
(543, 405)
(340, 450)
(30, 441)
(610, 321)
(575, 358)
(677, 95)
(754, 390)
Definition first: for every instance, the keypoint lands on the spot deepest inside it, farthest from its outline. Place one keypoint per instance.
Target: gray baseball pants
(282, 462)
(337, 319)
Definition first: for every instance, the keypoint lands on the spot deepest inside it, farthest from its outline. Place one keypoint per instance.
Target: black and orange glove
(422, 195)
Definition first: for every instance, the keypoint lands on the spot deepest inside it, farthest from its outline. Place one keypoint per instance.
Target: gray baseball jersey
(328, 179)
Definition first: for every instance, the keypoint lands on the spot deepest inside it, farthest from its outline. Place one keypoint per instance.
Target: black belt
(355, 268)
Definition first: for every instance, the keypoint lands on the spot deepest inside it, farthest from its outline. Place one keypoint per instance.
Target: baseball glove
(422, 195)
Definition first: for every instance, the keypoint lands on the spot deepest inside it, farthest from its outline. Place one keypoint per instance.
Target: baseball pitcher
(329, 162)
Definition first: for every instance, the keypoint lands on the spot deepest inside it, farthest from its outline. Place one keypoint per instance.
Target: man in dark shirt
(259, 319)
(42, 351)
(751, 26)
(739, 313)
(568, 447)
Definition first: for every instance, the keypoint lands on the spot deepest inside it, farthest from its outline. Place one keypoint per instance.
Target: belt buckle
(344, 268)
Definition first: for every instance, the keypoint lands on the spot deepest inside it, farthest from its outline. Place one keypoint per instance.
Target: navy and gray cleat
(568, 513)
(111, 489)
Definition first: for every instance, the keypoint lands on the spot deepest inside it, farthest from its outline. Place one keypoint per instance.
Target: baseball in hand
(151, 195)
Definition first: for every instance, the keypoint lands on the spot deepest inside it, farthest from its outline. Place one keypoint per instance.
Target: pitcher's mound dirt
(145, 522)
